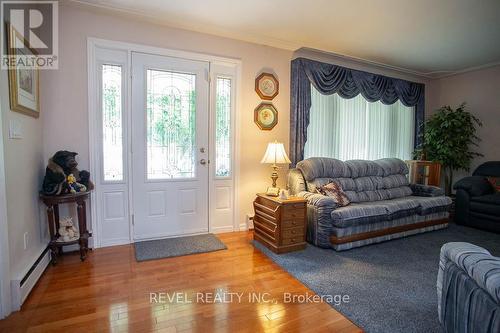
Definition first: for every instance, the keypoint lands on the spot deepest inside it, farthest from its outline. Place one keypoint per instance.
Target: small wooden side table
(52, 202)
(280, 225)
(424, 172)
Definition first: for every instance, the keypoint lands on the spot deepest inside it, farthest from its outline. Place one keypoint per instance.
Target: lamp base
(273, 191)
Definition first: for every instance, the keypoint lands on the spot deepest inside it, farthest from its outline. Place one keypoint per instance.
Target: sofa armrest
(474, 185)
(319, 218)
(420, 190)
(318, 200)
(477, 262)
(295, 181)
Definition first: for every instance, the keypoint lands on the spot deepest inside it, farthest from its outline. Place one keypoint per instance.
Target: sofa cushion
(393, 181)
(372, 212)
(361, 180)
(392, 166)
(475, 186)
(334, 190)
(429, 205)
(400, 207)
(362, 168)
(394, 193)
(486, 204)
(492, 199)
(386, 210)
(358, 214)
(322, 167)
(483, 208)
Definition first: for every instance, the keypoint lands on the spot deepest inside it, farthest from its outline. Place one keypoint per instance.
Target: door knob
(203, 162)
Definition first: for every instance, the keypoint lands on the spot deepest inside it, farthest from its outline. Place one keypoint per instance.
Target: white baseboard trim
(22, 286)
(219, 230)
(115, 242)
(190, 232)
(244, 227)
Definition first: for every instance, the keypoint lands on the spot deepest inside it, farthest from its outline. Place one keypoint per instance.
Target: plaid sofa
(383, 205)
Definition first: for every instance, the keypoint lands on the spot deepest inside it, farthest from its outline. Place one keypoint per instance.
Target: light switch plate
(15, 129)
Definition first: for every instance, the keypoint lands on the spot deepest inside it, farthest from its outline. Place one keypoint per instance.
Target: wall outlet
(249, 220)
(25, 240)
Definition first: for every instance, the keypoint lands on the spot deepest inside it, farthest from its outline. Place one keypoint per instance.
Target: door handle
(203, 162)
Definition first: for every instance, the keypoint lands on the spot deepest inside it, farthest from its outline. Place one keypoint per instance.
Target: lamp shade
(275, 154)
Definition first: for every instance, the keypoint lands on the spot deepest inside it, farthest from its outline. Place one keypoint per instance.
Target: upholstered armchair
(468, 289)
(478, 203)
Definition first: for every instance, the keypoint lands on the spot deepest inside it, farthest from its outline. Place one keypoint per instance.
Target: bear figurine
(67, 231)
(60, 166)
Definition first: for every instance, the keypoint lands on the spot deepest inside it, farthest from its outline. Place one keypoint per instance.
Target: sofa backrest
(488, 169)
(361, 180)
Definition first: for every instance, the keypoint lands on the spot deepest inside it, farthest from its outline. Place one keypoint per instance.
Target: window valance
(348, 83)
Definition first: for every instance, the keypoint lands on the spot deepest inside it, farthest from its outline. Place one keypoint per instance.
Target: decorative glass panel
(171, 124)
(223, 128)
(112, 127)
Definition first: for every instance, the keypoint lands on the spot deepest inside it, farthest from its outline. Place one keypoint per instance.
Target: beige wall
(65, 109)
(480, 89)
(66, 95)
(24, 168)
(65, 99)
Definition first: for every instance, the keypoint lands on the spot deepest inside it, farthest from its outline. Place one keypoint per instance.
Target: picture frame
(267, 86)
(24, 81)
(266, 116)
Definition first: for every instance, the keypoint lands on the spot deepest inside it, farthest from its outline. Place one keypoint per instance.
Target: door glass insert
(112, 124)
(170, 124)
(223, 127)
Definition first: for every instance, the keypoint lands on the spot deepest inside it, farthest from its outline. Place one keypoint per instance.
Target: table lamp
(275, 154)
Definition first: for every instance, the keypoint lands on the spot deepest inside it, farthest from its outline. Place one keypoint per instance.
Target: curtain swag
(348, 83)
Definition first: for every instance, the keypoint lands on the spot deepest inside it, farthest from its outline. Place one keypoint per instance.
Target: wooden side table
(280, 225)
(52, 203)
(424, 172)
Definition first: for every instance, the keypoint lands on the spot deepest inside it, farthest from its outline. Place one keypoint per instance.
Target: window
(112, 124)
(357, 129)
(223, 128)
(171, 124)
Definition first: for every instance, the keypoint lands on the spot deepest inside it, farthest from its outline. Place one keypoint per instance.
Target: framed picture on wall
(24, 80)
(266, 116)
(267, 86)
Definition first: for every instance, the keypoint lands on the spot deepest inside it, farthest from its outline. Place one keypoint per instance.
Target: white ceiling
(429, 37)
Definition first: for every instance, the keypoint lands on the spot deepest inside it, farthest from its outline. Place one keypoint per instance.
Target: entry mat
(178, 246)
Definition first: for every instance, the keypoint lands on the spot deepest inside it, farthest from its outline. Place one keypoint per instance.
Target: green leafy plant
(448, 138)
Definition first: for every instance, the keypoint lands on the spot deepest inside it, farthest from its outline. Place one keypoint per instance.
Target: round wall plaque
(266, 116)
(266, 86)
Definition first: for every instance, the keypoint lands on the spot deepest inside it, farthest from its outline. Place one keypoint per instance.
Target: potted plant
(448, 138)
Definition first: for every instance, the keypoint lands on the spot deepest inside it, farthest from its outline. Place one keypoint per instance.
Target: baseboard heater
(22, 287)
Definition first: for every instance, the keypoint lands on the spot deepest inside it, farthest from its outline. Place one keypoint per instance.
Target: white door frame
(95, 43)
(5, 291)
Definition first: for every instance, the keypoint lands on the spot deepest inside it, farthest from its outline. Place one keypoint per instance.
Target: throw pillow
(335, 191)
(495, 182)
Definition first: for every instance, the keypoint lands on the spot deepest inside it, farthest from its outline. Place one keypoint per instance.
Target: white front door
(170, 122)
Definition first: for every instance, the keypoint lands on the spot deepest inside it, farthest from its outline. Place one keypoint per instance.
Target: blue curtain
(348, 83)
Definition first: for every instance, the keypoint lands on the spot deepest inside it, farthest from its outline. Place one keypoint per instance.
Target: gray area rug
(391, 285)
(179, 246)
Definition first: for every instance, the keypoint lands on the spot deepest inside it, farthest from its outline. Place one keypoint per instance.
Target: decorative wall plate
(266, 116)
(266, 86)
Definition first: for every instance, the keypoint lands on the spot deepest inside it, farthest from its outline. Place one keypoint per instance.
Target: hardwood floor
(110, 292)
